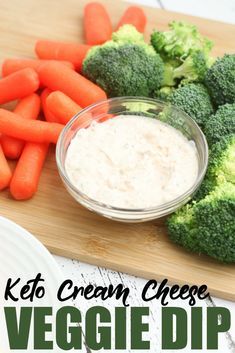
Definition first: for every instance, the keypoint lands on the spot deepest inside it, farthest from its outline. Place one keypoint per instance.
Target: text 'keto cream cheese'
(131, 162)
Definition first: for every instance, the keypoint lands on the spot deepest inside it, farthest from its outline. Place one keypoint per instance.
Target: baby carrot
(26, 176)
(75, 53)
(12, 65)
(97, 24)
(64, 108)
(14, 125)
(135, 16)
(5, 171)
(59, 77)
(28, 108)
(49, 116)
(61, 106)
(18, 85)
(82, 122)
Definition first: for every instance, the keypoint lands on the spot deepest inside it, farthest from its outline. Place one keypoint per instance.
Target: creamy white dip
(131, 162)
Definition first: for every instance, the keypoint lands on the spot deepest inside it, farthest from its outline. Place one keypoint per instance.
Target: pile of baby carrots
(51, 83)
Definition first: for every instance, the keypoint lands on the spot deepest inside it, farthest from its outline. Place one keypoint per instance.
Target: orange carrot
(18, 85)
(75, 53)
(24, 183)
(97, 24)
(12, 65)
(49, 116)
(135, 16)
(28, 108)
(5, 171)
(14, 125)
(61, 106)
(59, 77)
(83, 122)
(64, 108)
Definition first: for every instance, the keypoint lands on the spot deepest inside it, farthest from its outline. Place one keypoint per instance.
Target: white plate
(23, 256)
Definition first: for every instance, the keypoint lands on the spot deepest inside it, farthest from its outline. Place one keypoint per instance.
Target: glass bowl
(135, 106)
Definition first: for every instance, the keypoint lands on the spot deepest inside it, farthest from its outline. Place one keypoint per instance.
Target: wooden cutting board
(52, 215)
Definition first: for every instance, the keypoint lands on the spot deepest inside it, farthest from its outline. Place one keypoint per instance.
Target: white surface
(223, 10)
(23, 256)
(84, 274)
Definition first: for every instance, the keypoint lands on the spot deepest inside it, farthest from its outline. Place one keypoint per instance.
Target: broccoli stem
(168, 76)
(183, 70)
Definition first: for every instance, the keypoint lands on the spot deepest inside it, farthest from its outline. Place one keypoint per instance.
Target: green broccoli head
(164, 93)
(194, 100)
(220, 80)
(128, 34)
(221, 166)
(182, 228)
(208, 226)
(220, 124)
(180, 41)
(124, 69)
(222, 160)
(193, 68)
(214, 216)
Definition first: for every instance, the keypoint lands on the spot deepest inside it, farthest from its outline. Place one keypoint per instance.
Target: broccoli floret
(216, 226)
(164, 93)
(222, 164)
(122, 68)
(128, 34)
(208, 226)
(193, 68)
(220, 124)
(194, 100)
(184, 51)
(180, 41)
(181, 228)
(220, 80)
(221, 167)
(169, 67)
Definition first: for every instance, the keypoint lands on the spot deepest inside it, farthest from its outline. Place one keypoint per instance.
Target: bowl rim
(154, 209)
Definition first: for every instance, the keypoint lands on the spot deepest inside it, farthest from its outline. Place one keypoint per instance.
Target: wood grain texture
(53, 216)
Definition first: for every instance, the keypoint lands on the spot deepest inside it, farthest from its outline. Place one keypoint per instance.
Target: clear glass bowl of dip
(151, 108)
